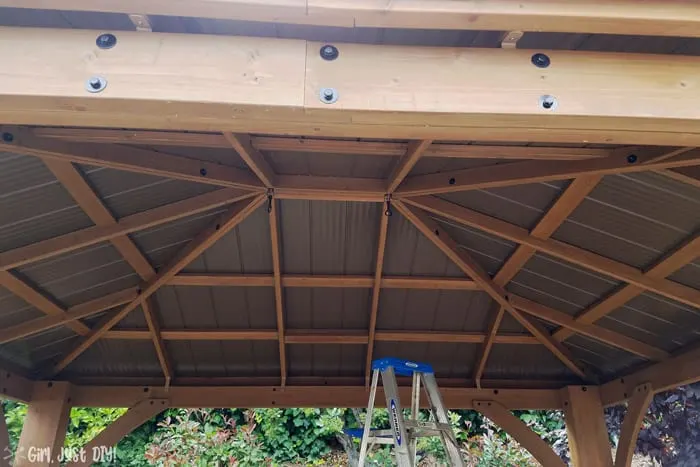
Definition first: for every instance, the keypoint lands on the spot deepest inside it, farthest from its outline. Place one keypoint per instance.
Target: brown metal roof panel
(409, 252)
(330, 165)
(688, 275)
(33, 204)
(522, 205)
(113, 357)
(326, 308)
(326, 360)
(134, 320)
(82, 275)
(224, 156)
(515, 361)
(224, 358)
(126, 193)
(561, 285)
(431, 165)
(606, 360)
(326, 237)
(14, 310)
(449, 360)
(433, 310)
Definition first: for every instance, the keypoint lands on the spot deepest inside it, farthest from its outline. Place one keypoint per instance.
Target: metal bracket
(270, 195)
(510, 39)
(387, 202)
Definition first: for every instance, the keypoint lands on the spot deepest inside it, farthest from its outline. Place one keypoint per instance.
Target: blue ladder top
(401, 367)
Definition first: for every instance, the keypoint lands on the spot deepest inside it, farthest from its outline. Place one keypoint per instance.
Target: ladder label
(395, 419)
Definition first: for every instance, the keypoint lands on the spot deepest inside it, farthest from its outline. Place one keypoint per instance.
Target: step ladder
(404, 434)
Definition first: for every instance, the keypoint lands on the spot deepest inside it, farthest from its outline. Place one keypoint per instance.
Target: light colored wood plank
(143, 220)
(494, 176)
(310, 187)
(589, 445)
(15, 387)
(520, 432)
(255, 160)
(636, 410)
(194, 248)
(488, 94)
(279, 296)
(150, 313)
(376, 291)
(561, 250)
(472, 269)
(485, 350)
(657, 18)
(113, 433)
(667, 266)
(414, 152)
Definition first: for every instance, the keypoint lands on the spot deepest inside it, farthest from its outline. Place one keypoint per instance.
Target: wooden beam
(518, 173)
(491, 95)
(414, 152)
(561, 250)
(657, 18)
(255, 160)
(320, 396)
(685, 254)
(15, 387)
(150, 313)
(194, 248)
(327, 336)
(131, 159)
(486, 347)
(311, 187)
(279, 296)
(79, 189)
(520, 432)
(636, 410)
(585, 424)
(38, 300)
(291, 280)
(569, 200)
(318, 145)
(688, 175)
(143, 220)
(592, 331)
(463, 261)
(133, 418)
(376, 291)
(74, 313)
(46, 423)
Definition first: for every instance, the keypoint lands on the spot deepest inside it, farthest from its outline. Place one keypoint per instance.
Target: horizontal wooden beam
(297, 396)
(655, 18)
(494, 176)
(561, 250)
(321, 336)
(488, 94)
(15, 387)
(143, 220)
(317, 145)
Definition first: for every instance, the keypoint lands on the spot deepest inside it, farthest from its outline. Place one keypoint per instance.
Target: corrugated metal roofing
(224, 358)
(326, 308)
(326, 360)
(449, 360)
(510, 361)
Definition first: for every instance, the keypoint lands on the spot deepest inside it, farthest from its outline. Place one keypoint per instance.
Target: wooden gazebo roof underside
(207, 220)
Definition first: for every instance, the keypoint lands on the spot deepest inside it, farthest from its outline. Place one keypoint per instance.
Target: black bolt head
(329, 52)
(8, 137)
(452, 181)
(632, 158)
(106, 41)
(540, 60)
(203, 172)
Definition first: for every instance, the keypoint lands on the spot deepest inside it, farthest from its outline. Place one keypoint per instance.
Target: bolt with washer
(328, 96)
(95, 84)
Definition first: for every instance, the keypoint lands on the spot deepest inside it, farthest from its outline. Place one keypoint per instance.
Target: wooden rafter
(667, 266)
(414, 152)
(193, 249)
(485, 351)
(38, 300)
(376, 291)
(143, 220)
(279, 296)
(150, 313)
(437, 102)
(657, 18)
(255, 160)
(688, 175)
(318, 145)
(87, 199)
(463, 261)
(561, 250)
(626, 160)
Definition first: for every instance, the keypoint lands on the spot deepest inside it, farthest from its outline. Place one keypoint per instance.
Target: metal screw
(106, 41)
(8, 137)
(95, 84)
(548, 102)
(632, 158)
(452, 181)
(203, 172)
(329, 52)
(328, 95)
(540, 60)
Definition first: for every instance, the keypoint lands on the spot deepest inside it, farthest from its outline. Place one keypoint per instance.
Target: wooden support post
(110, 436)
(636, 409)
(5, 450)
(520, 432)
(45, 425)
(588, 435)
(381, 245)
(279, 295)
